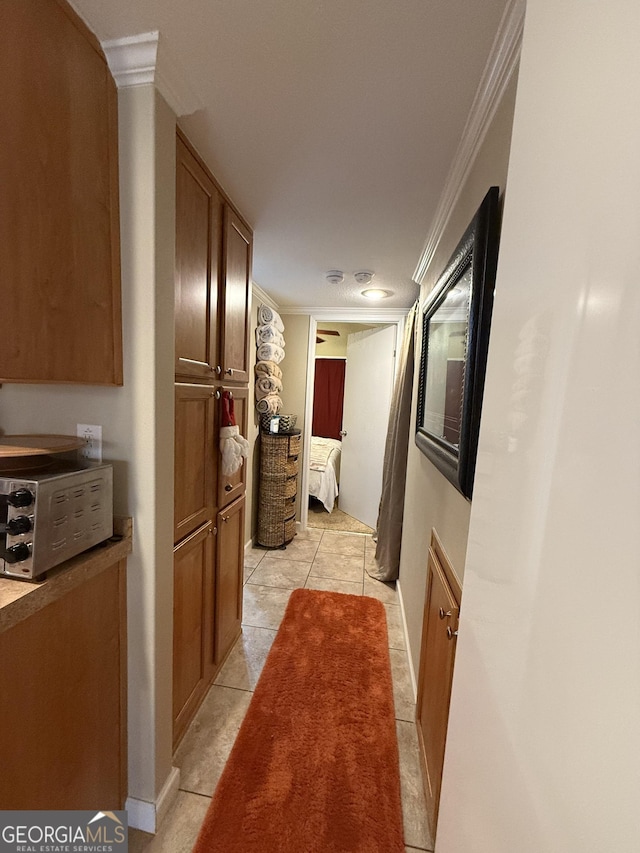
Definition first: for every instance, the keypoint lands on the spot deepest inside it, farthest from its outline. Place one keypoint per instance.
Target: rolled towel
(268, 315)
(268, 335)
(270, 352)
(268, 368)
(267, 385)
(270, 405)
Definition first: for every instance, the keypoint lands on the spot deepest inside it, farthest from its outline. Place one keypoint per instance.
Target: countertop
(20, 599)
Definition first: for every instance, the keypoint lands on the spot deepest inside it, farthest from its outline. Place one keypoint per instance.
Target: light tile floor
(316, 559)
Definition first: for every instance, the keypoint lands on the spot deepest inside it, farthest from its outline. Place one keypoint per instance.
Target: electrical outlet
(92, 435)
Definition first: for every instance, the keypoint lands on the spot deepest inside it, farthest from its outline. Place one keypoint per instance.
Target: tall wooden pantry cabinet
(212, 303)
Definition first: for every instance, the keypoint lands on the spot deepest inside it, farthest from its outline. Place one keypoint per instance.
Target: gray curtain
(390, 513)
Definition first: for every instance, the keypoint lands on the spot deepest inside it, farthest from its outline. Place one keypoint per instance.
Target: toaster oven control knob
(20, 498)
(19, 524)
(17, 553)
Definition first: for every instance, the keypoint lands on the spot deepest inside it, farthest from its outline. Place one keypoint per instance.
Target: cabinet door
(232, 486)
(193, 628)
(59, 216)
(229, 576)
(197, 267)
(63, 700)
(437, 656)
(195, 458)
(236, 298)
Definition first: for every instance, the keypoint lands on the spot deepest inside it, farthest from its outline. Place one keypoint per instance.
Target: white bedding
(324, 470)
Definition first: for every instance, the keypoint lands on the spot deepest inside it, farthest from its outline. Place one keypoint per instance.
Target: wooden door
(196, 458)
(193, 624)
(63, 700)
(236, 298)
(229, 576)
(59, 211)
(232, 486)
(199, 207)
(437, 654)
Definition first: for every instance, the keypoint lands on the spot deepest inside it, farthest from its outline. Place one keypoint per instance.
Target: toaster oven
(48, 516)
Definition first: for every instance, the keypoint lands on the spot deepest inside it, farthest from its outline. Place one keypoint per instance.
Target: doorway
(347, 459)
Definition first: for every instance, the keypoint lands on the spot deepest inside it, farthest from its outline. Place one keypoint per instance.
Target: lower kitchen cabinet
(63, 689)
(230, 570)
(193, 636)
(437, 655)
(207, 608)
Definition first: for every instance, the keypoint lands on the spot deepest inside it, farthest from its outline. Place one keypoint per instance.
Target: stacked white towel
(268, 368)
(270, 352)
(269, 405)
(269, 335)
(266, 385)
(267, 315)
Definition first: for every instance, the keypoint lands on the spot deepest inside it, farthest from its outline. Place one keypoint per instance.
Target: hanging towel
(268, 368)
(267, 385)
(268, 335)
(233, 447)
(268, 315)
(269, 405)
(270, 352)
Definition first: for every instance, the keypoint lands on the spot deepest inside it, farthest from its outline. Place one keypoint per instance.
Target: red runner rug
(314, 768)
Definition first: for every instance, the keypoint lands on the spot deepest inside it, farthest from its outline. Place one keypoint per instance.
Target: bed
(324, 470)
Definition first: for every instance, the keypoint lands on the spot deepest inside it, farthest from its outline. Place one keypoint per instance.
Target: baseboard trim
(414, 681)
(147, 816)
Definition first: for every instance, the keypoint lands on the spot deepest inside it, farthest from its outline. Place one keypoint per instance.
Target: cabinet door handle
(218, 369)
(213, 531)
(215, 394)
(228, 487)
(444, 614)
(229, 371)
(451, 634)
(225, 518)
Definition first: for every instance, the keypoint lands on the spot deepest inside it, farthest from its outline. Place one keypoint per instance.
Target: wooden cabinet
(212, 297)
(212, 274)
(193, 625)
(437, 654)
(199, 216)
(278, 488)
(196, 457)
(63, 699)
(237, 298)
(228, 577)
(59, 216)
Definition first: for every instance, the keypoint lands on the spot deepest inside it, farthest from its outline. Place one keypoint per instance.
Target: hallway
(316, 559)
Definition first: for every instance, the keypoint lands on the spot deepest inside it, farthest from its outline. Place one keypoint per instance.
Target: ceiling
(332, 124)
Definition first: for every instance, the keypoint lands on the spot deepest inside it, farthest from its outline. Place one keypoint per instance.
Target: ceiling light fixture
(376, 293)
(334, 276)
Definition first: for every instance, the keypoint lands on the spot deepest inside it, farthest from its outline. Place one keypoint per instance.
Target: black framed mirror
(455, 337)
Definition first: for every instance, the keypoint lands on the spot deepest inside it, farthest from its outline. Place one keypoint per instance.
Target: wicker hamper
(278, 488)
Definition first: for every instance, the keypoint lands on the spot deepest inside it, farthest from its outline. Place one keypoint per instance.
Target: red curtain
(328, 397)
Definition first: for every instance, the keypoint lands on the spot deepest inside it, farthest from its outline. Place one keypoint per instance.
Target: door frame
(334, 315)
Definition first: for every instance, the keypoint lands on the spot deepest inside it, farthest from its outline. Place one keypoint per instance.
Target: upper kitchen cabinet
(59, 218)
(199, 216)
(213, 276)
(237, 297)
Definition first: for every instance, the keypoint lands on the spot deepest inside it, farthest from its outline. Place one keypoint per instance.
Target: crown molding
(348, 315)
(501, 64)
(143, 59)
(262, 296)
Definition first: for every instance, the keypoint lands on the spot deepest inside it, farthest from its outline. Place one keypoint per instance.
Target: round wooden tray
(12, 446)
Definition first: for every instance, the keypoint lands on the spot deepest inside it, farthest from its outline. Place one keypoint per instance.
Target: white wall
(544, 740)
(430, 499)
(137, 421)
(294, 377)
